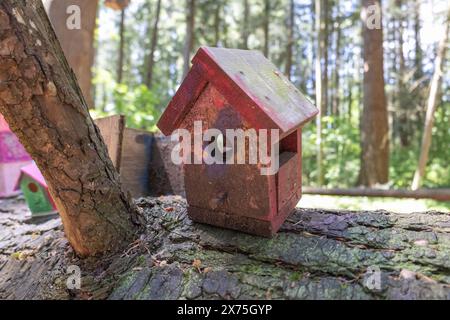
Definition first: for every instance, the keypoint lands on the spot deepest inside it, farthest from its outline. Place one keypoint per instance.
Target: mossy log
(318, 254)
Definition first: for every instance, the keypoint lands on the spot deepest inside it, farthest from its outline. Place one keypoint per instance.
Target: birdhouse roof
(3, 125)
(33, 172)
(251, 84)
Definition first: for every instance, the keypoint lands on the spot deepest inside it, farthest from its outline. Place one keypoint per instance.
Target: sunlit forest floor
(366, 203)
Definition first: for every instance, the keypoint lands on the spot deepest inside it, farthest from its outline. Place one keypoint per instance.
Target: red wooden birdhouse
(233, 91)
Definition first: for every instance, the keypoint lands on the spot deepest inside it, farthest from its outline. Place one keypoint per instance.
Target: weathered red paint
(231, 89)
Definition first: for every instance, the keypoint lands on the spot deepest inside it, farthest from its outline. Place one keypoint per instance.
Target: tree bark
(78, 45)
(431, 106)
(121, 46)
(374, 127)
(43, 104)
(151, 57)
(318, 254)
(290, 39)
(190, 37)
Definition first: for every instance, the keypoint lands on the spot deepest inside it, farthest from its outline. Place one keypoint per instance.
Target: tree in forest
(374, 167)
(121, 50)
(266, 27)
(321, 79)
(154, 43)
(42, 102)
(190, 35)
(337, 60)
(290, 39)
(217, 22)
(77, 43)
(418, 54)
(432, 105)
(245, 29)
(402, 119)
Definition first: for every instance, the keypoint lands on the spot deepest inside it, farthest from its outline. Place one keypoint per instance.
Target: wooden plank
(165, 176)
(135, 163)
(435, 194)
(111, 128)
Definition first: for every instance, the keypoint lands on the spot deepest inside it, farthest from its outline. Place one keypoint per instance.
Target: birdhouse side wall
(289, 176)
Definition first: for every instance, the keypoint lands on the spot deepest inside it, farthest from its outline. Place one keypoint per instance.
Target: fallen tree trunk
(435, 194)
(318, 254)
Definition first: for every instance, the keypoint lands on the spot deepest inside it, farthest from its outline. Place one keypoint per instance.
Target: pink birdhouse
(12, 158)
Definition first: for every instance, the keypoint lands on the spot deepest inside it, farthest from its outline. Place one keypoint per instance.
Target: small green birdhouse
(35, 191)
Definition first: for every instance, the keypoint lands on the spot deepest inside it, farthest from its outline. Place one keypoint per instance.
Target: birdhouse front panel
(35, 190)
(36, 197)
(240, 89)
(227, 188)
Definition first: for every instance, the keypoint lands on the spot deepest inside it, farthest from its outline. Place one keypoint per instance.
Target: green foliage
(137, 103)
(404, 159)
(341, 149)
(220, 22)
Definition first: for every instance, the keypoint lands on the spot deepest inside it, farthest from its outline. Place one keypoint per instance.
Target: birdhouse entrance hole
(33, 187)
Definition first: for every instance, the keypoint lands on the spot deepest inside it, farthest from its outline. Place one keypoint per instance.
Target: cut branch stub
(117, 4)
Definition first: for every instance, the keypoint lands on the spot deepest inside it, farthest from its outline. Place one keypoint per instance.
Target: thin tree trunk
(266, 25)
(78, 44)
(374, 122)
(418, 67)
(320, 103)
(402, 101)
(431, 107)
(290, 40)
(325, 42)
(42, 102)
(151, 57)
(190, 38)
(418, 54)
(217, 23)
(121, 46)
(246, 27)
(337, 64)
